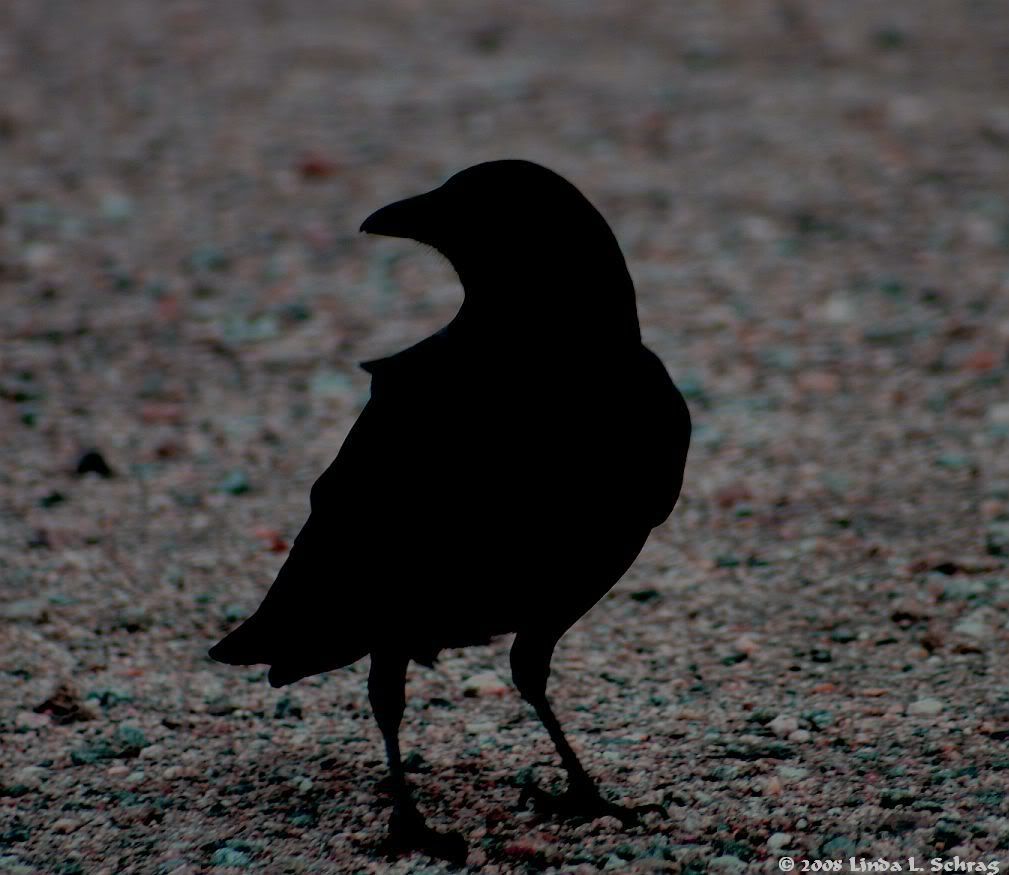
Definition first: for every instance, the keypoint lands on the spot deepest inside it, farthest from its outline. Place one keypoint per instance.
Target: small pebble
(778, 841)
(29, 776)
(727, 864)
(34, 609)
(484, 684)
(783, 726)
(31, 720)
(66, 825)
(974, 626)
(925, 708)
(230, 857)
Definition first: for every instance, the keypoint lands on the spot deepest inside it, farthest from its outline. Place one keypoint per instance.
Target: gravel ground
(807, 659)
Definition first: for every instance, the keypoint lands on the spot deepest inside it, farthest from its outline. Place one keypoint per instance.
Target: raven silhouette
(503, 476)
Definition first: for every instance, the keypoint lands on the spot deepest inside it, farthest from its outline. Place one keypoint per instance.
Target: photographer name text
(878, 864)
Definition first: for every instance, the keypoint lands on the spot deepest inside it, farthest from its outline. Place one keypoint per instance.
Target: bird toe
(409, 833)
(585, 803)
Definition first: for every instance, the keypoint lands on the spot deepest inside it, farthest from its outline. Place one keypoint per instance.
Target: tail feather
(291, 658)
(243, 646)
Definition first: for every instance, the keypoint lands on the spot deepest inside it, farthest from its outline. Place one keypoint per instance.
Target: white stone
(778, 841)
(728, 865)
(999, 413)
(31, 720)
(925, 707)
(486, 683)
(29, 776)
(974, 625)
(839, 308)
(783, 725)
(25, 609)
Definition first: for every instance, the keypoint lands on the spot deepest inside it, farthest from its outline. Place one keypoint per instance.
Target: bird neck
(540, 330)
(565, 313)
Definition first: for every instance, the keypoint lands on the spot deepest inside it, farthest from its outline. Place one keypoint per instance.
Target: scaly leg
(530, 661)
(407, 829)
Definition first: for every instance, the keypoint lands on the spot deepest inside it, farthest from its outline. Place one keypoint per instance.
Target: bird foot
(584, 802)
(408, 832)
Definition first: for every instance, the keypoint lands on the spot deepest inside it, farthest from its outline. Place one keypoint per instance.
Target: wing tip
(242, 646)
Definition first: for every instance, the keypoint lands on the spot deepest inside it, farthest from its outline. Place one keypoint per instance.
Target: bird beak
(414, 218)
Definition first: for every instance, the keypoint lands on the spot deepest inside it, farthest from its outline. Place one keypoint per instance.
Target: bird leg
(407, 829)
(530, 661)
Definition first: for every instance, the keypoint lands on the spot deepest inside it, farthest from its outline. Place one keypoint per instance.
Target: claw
(408, 832)
(585, 802)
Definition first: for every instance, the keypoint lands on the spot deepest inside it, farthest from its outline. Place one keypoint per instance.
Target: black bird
(503, 476)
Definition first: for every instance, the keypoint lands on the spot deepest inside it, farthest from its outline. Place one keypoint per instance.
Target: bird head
(516, 232)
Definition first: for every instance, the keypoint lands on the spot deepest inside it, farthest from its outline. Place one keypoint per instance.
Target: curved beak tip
(406, 218)
(369, 225)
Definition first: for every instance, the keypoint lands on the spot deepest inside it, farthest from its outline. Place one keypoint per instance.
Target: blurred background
(812, 199)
